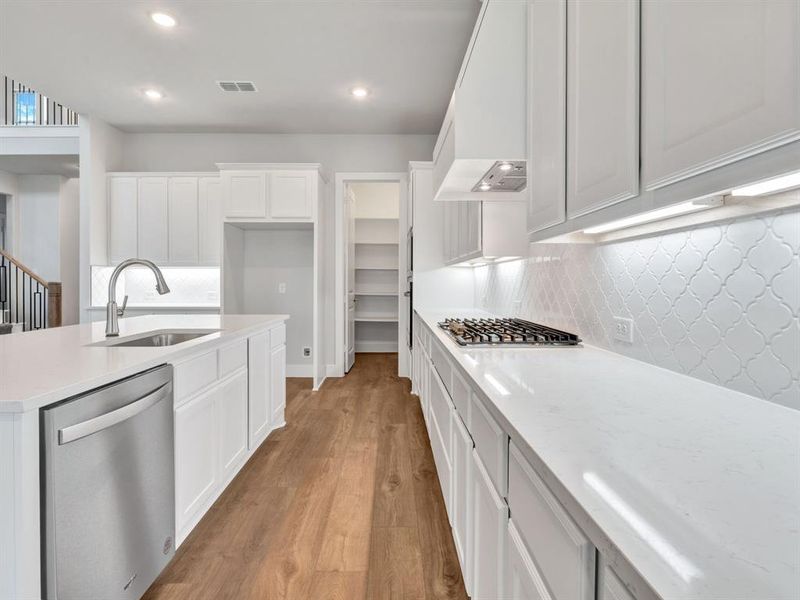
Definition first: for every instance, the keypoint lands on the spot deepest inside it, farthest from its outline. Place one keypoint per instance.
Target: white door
(547, 106)
(277, 366)
(523, 581)
(153, 219)
(122, 218)
(489, 523)
(232, 415)
(184, 223)
(350, 274)
(462, 497)
(602, 104)
(259, 374)
(291, 194)
(210, 214)
(720, 82)
(196, 456)
(246, 194)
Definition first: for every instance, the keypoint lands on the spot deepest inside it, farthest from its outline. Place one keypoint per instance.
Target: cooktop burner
(506, 332)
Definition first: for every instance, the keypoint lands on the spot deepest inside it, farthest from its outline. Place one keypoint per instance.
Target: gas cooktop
(506, 332)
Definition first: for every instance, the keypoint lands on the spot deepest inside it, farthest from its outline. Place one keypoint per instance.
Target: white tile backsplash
(719, 302)
(189, 286)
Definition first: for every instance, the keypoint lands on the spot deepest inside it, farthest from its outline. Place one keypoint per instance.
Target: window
(25, 108)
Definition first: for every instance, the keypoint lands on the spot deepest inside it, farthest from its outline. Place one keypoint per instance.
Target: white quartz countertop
(38, 368)
(697, 486)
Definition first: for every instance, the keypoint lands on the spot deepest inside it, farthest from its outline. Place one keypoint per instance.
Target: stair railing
(27, 299)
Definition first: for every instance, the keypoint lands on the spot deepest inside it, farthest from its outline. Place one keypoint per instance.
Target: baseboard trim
(299, 370)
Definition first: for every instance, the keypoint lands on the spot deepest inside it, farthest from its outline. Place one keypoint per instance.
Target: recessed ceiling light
(163, 19)
(153, 94)
(359, 92)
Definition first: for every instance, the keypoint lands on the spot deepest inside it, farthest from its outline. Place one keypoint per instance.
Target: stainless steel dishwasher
(108, 489)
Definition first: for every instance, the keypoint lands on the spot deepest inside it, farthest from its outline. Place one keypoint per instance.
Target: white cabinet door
(232, 416)
(122, 218)
(153, 219)
(292, 194)
(489, 523)
(209, 200)
(196, 456)
(246, 194)
(184, 221)
(523, 581)
(277, 365)
(609, 586)
(602, 104)
(720, 82)
(462, 497)
(547, 105)
(259, 375)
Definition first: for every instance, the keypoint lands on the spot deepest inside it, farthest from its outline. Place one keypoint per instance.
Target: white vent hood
(481, 148)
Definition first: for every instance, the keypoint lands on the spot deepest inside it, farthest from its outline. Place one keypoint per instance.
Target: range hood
(481, 150)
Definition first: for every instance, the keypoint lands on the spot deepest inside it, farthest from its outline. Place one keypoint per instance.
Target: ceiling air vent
(237, 86)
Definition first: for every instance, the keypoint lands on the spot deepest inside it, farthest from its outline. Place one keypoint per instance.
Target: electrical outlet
(623, 330)
(306, 351)
(281, 288)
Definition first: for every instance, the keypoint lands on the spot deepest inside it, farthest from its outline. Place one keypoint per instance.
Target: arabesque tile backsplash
(719, 302)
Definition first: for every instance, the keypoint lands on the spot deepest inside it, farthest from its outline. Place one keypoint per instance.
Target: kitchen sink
(155, 339)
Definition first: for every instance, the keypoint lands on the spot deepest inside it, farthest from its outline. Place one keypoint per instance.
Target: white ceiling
(304, 56)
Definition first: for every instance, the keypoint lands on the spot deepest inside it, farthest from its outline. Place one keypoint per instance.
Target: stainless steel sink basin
(155, 339)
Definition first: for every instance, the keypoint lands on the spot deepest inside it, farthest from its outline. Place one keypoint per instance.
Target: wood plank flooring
(341, 504)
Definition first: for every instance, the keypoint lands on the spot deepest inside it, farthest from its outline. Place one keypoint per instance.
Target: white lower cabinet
(277, 367)
(609, 586)
(523, 581)
(232, 403)
(489, 526)
(259, 374)
(462, 498)
(196, 458)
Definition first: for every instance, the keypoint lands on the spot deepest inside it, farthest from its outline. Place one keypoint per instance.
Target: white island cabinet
(214, 395)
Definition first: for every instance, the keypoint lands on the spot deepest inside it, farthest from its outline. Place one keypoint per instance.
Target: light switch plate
(623, 330)
(281, 288)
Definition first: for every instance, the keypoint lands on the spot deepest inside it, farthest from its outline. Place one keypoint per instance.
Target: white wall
(100, 152)
(69, 231)
(39, 233)
(336, 153)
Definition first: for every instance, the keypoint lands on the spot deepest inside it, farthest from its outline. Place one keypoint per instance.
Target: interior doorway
(372, 308)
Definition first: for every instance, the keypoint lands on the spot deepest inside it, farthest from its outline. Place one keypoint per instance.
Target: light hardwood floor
(343, 503)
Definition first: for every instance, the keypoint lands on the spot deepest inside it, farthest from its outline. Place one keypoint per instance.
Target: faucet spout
(112, 312)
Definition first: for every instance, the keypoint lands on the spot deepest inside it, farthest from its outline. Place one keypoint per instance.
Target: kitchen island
(233, 373)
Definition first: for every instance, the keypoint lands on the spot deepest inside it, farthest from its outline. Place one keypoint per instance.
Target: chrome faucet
(112, 312)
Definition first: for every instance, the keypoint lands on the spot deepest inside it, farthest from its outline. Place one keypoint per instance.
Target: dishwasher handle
(90, 426)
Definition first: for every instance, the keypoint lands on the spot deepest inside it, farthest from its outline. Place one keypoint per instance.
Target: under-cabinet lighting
(163, 19)
(501, 389)
(684, 208)
(677, 562)
(778, 184)
(153, 94)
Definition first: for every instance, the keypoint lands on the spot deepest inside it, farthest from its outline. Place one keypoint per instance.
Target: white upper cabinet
(122, 218)
(153, 217)
(547, 101)
(184, 223)
(485, 121)
(210, 217)
(602, 104)
(291, 195)
(481, 231)
(246, 194)
(270, 192)
(721, 82)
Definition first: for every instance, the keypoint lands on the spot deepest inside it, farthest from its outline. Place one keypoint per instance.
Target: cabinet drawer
(491, 443)
(564, 555)
(440, 408)
(440, 444)
(461, 398)
(442, 364)
(194, 374)
(277, 336)
(232, 357)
